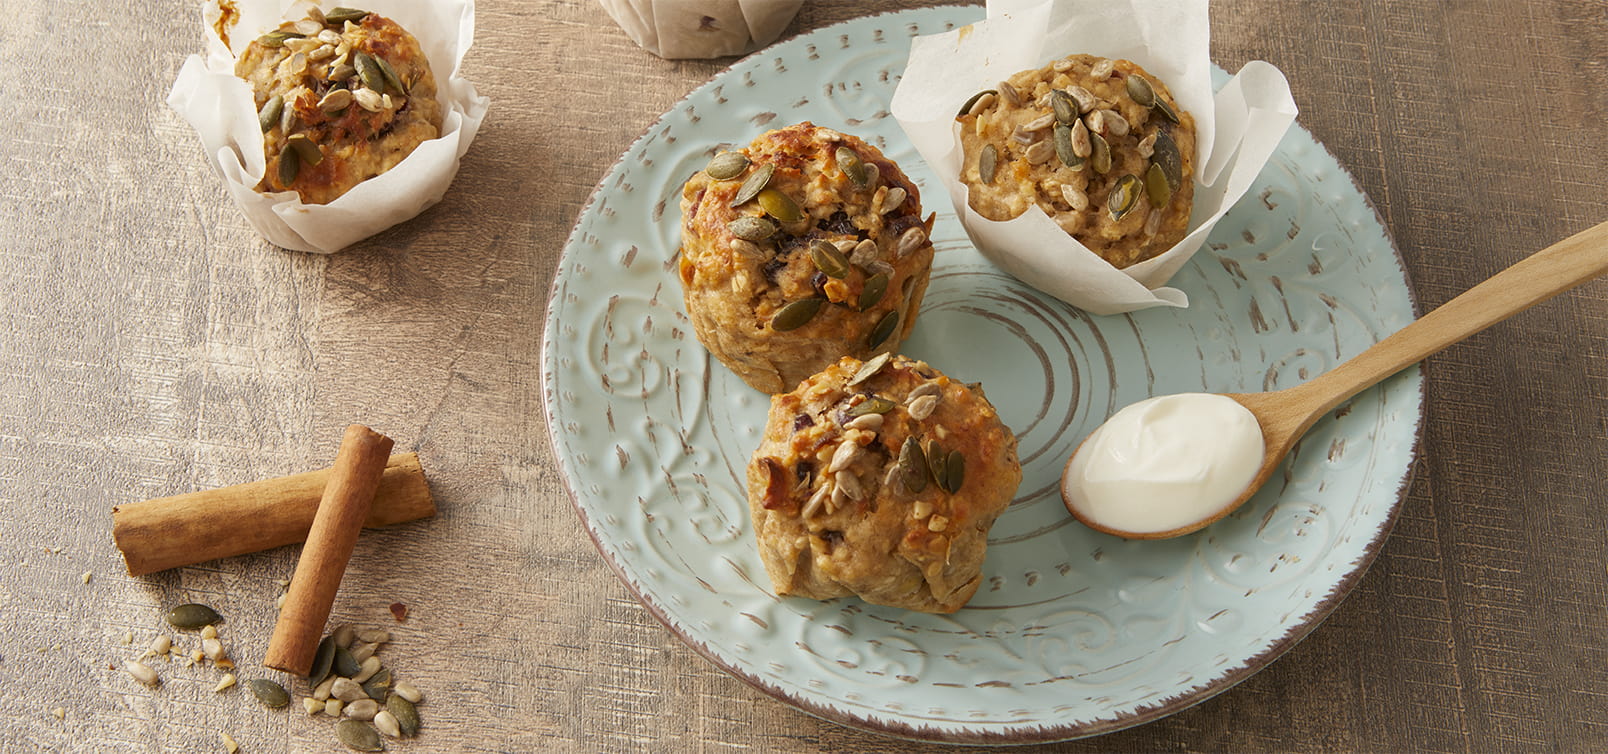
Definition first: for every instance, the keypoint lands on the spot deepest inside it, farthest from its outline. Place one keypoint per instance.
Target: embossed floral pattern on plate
(1073, 633)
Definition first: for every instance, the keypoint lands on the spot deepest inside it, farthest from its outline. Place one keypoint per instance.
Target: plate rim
(1009, 735)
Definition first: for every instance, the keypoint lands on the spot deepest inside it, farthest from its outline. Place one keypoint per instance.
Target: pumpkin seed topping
(358, 736)
(875, 288)
(875, 404)
(796, 314)
(1141, 91)
(392, 81)
(368, 71)
(966, 109)
(780, 206)
(913, 466)
(987, 163)
(407, 716)
(883, 330)
(1064, 107)
(727, 165)
(1064, 148)
(869, 369)
(828, 259)
(276, 39)
(755, 183)
(1124, 196)
(308, 151)
(1165, 110)
(192, 615)
(752, 228)
(341, 15)
(852, 166)
(268, 116)
(1166, 155)
(1100, 153)
(1156, 188)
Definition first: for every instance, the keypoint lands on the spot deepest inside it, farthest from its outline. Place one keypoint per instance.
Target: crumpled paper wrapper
(1237, 130)
(221, 109)
(675, 29)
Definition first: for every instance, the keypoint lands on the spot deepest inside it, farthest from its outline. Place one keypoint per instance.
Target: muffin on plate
(1098, 144)
(881, 479)
(342, 97)
(803, 247)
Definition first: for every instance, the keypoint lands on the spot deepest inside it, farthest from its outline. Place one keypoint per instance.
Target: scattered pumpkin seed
(796, 314)
(1165, 110)
(407, 716)
(323, 660)
(358, 736)
(966, 108)
(913, 466)
(1065, 108)
(345, 664)
(875, 404)
(869, 369)
(1099, 153)
(192, 615)
(1124, 196)
(341, 15)
(828, 259)
(1141, 91)
(780, 206)
(1156, 188)
(1063, 146)
(753, 184)
(752, 228)
(308, 151)
(875, 288)
(727, 165)
(368, 71)
(268, 692)
(377, 685)
(268, 116)
(852, 166)
(1166, 155)
(884, 328)
(988, 163)
(276, 39)
(387, 724)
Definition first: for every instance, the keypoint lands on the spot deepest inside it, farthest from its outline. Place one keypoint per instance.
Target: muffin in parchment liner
(881, 479)
(804, 246)
(1236, 131)
(359, 166)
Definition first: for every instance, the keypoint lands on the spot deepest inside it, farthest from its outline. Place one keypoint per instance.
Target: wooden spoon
(1285, 415)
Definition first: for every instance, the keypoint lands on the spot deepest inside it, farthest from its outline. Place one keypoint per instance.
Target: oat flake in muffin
(342, 96)
(1098, 144)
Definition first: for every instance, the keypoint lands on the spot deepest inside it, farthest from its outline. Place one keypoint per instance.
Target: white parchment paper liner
(702, 28)
(220, 108)
(1236, 132)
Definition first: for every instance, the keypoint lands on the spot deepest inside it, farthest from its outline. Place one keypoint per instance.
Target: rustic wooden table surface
(151, 344)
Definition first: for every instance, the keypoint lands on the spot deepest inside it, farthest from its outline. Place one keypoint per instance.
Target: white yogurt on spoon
(1163, 464)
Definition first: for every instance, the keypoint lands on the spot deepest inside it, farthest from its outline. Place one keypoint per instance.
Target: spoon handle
(1564, 265)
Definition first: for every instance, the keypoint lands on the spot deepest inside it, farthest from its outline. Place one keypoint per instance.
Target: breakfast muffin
(342, 97)
(881, 479)
(805, 246)
(1098, 144)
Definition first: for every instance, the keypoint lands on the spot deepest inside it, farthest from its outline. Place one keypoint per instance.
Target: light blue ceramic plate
(1073, 633)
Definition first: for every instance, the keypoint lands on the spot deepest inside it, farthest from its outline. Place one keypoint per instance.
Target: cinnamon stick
(345, 504)
(169, 532)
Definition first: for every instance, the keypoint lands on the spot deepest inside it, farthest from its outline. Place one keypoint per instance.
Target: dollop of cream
(1164, 463)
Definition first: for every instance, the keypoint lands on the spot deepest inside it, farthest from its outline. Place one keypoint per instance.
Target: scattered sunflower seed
(369, 100)
(1074, 197)
(409, 692)
(813, 505)
(862, 253)
(141, 672)
(332, 707)
(228, 680)
(746, 248)
(344, 635)
(363, 650)
(347, 690)
(796, 314)
(358, 736)
(88, 575)
(387, 723)
(367, 669)
(229, 744)
(313, 706)
(755, 183)
(209, 631)
(60, 713)
(404, 711)
(845, 455)
(270, 693)
(1084, 99)
(883, 329)
(967, 108)
(160, 646)
(1040, 152)
(362, 709)
(727, 165)
(192, 615)
(848, 484)
(322, 691)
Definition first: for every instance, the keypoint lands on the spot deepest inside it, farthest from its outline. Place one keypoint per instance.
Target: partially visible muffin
(342, 97)
(881, 479)
(1098, 144)
(803, 247)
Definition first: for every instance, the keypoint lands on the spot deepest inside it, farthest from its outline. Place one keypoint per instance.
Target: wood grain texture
(151, 344)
